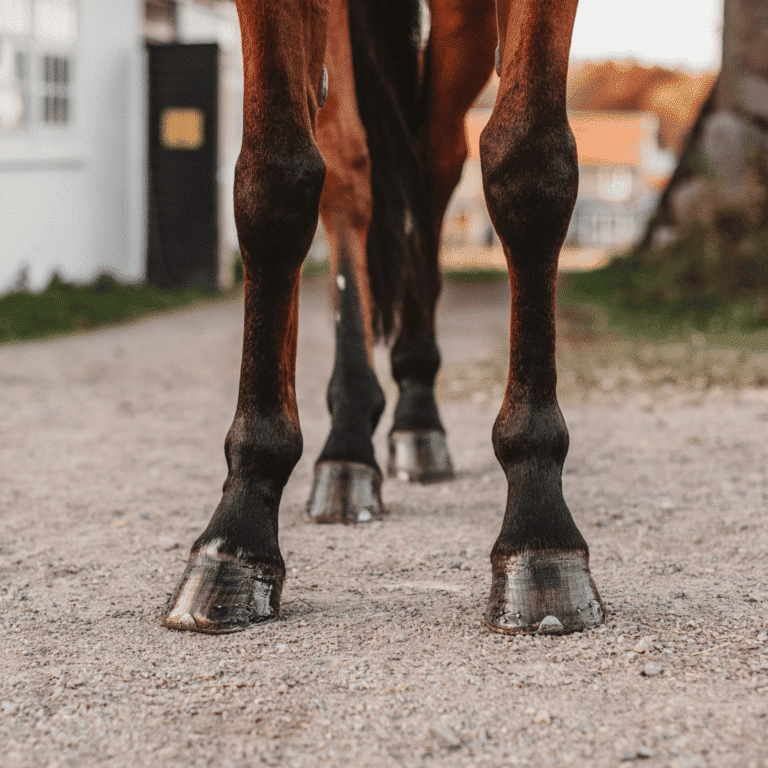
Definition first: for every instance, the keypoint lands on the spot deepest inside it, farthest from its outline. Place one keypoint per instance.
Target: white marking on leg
(341, 282)
(425, 24)
(212, 549)
(408, 222)
(186, 598)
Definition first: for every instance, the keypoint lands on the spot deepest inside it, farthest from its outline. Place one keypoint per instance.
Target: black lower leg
(355, 398)
(417, 445)
(347, 476)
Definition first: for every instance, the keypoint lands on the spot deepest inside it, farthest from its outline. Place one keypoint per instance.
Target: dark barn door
(182, 243)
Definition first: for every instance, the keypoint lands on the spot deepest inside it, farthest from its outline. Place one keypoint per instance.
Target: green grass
(702, 280)
(313, 268)
(478, 276)
(693, 314)
(63, 307)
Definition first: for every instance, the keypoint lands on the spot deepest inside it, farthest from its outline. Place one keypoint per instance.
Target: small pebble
(168, 543)
(645, 644)
(187, 620)
(542, 716)
(550, 624)
(445, 736)
(652, 669)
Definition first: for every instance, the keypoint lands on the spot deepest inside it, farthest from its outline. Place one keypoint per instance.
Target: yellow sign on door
(182, 128)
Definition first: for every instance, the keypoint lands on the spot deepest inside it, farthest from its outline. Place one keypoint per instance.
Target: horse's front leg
(540, 561)
(235, 571)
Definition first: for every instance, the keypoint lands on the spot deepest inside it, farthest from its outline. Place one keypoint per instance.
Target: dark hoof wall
(218, 594)
(419, 456)
(546, 592)
(345, 492)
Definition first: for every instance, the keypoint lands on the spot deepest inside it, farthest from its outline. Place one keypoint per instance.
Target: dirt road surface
(111, 463)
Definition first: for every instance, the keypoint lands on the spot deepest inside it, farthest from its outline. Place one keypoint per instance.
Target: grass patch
(313, 268)
(693, 314)
(64, 307)
(703, 280)
(477, 276)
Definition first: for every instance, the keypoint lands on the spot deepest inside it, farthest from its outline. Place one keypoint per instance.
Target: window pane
(56, 20)
(11, 95)
(15, 17)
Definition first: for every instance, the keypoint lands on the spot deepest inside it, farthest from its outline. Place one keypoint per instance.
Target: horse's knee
(530, 178)
(277, 194)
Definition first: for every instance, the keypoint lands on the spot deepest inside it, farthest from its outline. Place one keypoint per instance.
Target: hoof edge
(419, 456)
(345, 492)
(218, 594)
(549, 592)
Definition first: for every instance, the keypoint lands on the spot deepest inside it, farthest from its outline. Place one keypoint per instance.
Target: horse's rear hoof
(419, 456)
(220, 594)
(345, 492)
(548, 592)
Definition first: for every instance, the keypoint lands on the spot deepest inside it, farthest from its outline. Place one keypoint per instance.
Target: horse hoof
(345, 492)
(419, 456)
(550, 592)
(220, 593)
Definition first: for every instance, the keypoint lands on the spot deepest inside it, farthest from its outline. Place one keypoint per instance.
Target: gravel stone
(550, 624)
(645, 644)
(542, 717)
(652, 668)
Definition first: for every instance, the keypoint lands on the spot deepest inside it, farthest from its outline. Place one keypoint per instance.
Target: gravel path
(110, 464)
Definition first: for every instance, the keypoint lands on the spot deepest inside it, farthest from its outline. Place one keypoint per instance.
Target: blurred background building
(630, 122)
(107, 143)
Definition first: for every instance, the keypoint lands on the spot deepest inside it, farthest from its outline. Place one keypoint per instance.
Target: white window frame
(44, 50)
(21, 44)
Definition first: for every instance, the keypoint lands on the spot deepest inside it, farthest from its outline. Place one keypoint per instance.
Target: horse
(354, 111)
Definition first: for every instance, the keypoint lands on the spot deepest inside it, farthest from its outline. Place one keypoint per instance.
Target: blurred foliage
(311, 267)
(237, 269)
(708, 277)
(479, 276)
(64, 307)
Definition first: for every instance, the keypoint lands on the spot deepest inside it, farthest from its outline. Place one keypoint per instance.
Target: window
(56, 92)
(55, 29)
(15, 27)
(614, 183)
(37, 39)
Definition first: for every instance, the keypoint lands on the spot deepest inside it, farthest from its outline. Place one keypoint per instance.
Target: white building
(75, 139)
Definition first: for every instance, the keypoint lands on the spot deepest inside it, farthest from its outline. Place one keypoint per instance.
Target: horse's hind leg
(235, 571)
(462, 43)
(540, 561)
(347, 478)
